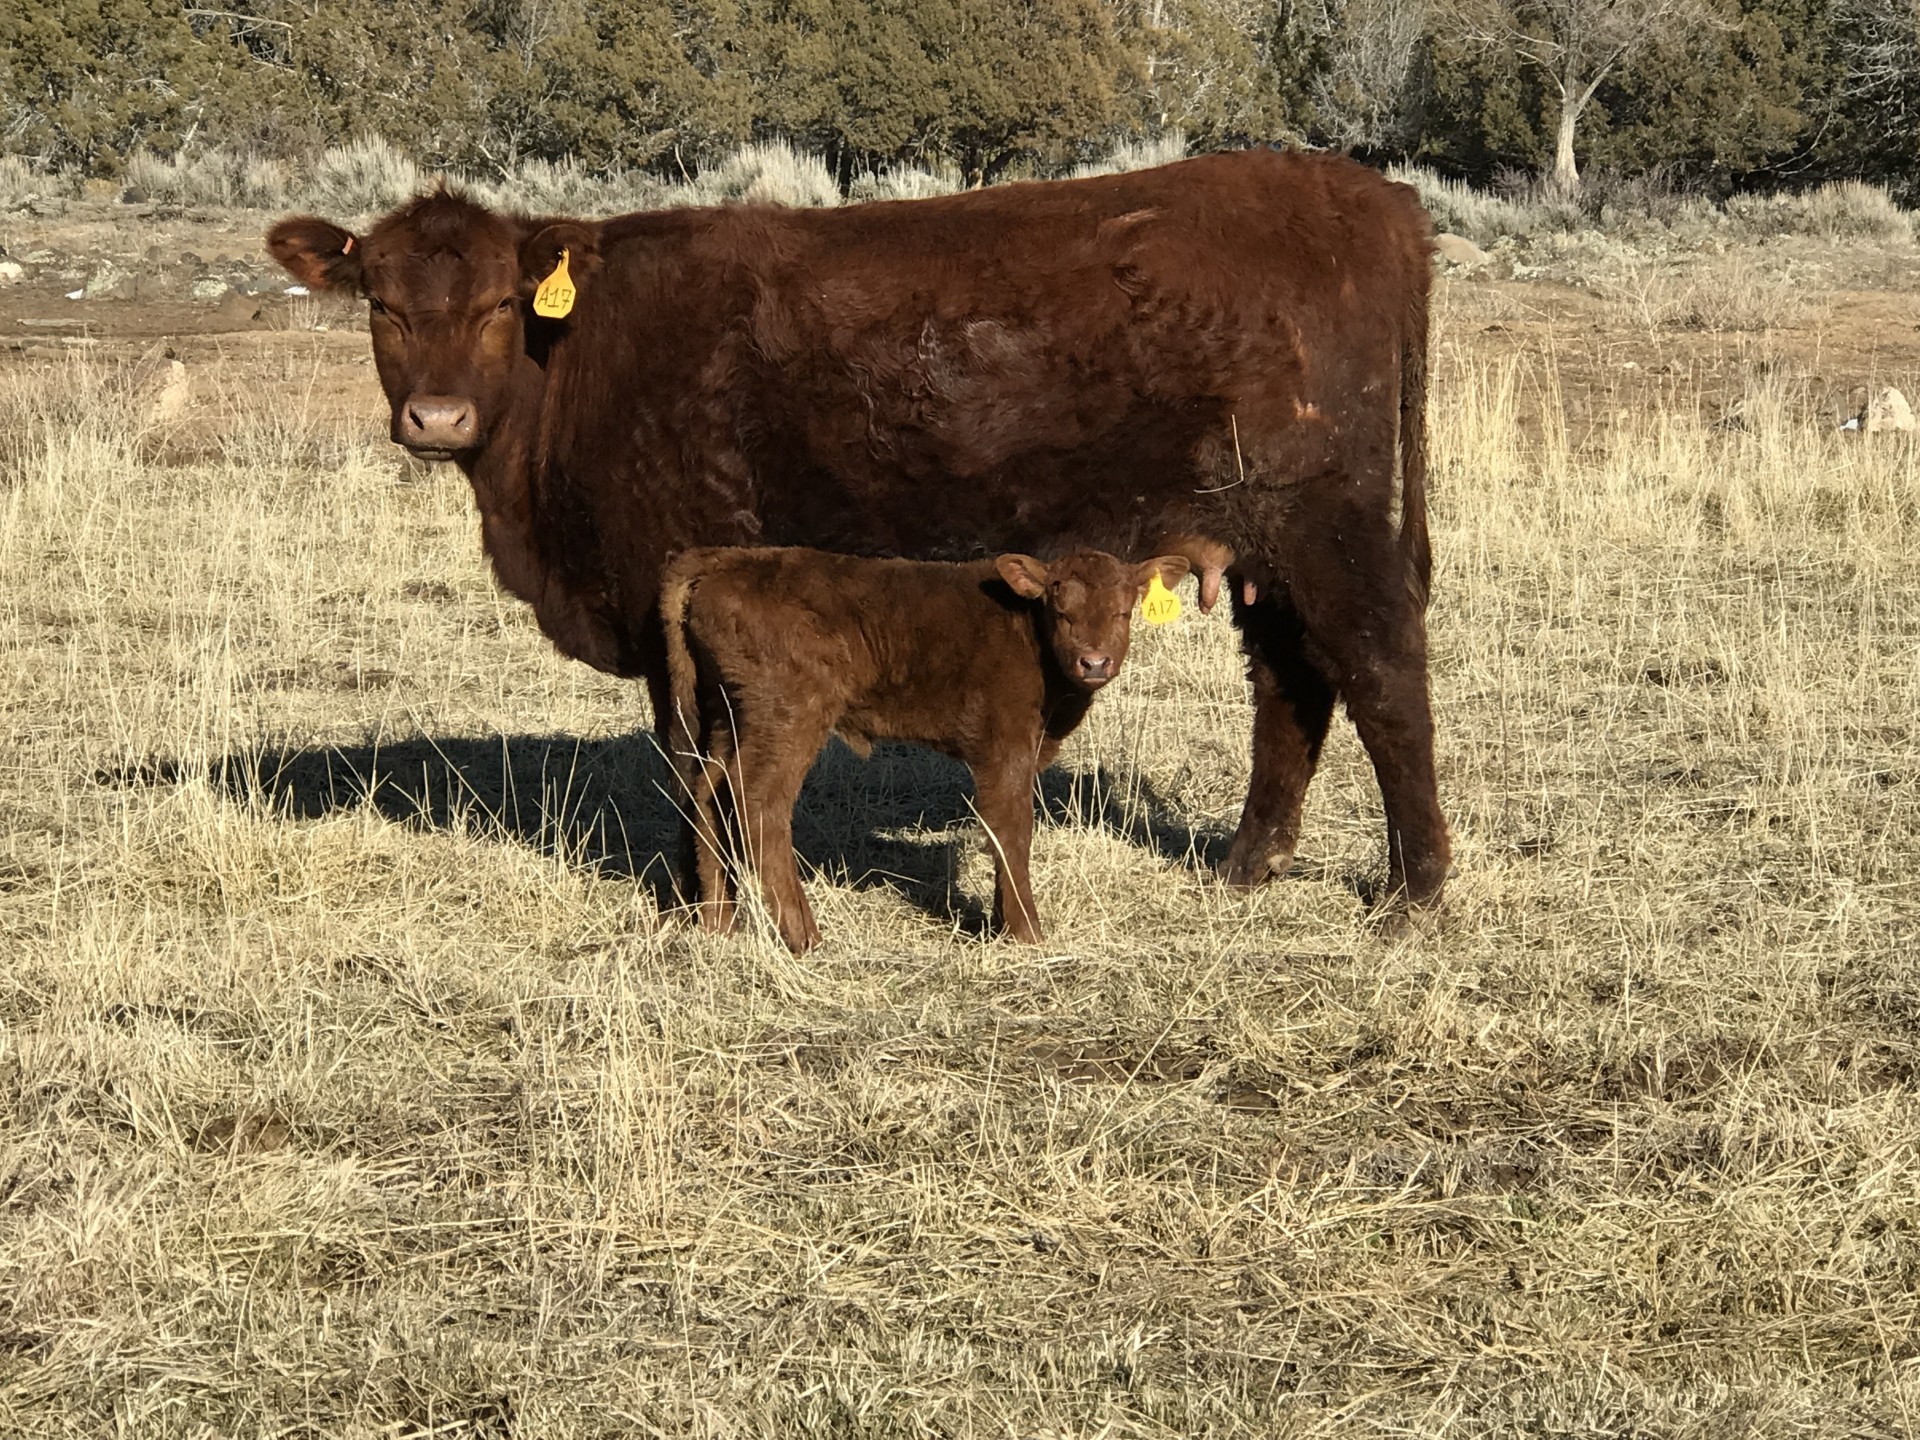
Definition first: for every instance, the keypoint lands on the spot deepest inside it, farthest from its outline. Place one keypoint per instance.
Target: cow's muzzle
(436, 427)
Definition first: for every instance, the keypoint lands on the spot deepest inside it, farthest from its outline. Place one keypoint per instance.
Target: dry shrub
(23, 183)
(906, 182)
(770, 172)
(1721, 296)
(210, 178)
(361, 178)
(1124, 155)
(1459, 209)
(1839, 210)
(543, 187)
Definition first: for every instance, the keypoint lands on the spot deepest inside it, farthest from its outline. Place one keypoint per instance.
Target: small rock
(12, 272)
(1458, 250)
(237, 310)
(211, 288)
(104, 283)
(133, 195)
(1888, 413)
(191, 260)
(169, 391)
(76, 294)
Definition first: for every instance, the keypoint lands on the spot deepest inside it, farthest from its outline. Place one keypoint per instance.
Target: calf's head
(1089, 599)
(448, 285)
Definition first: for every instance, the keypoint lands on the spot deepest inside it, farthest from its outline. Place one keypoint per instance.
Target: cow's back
(1032, 366)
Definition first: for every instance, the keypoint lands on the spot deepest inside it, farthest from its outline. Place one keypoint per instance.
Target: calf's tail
(681, 724)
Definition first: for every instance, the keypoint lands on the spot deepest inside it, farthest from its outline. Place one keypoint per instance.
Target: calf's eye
(373, 304)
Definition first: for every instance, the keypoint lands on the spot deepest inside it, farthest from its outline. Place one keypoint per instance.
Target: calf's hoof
(1402, 921)
(800, 938)
(715, 919)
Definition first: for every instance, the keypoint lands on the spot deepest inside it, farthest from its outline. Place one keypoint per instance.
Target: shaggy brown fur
(771, 651)
(1233, 346)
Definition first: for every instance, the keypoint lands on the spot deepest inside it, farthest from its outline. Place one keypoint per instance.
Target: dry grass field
(353, 1082)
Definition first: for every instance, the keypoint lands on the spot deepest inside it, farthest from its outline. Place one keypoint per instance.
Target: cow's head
(1089, 598)
(450, 286)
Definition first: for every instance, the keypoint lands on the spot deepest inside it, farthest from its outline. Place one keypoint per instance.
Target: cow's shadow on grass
(897, 819)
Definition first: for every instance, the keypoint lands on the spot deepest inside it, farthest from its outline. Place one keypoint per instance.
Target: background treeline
(1710, 94)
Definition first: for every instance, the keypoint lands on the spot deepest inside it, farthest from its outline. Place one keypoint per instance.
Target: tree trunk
(1566, 177)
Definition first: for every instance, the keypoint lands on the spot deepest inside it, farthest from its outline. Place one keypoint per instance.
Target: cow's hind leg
(1292, 705)
(1365, 622)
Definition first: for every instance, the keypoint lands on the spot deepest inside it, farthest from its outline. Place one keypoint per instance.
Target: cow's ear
(317, 253)
(540, 255)
(1171, 569)
(1025, 576)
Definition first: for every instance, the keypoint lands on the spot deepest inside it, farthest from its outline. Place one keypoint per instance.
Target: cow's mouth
(429, 453)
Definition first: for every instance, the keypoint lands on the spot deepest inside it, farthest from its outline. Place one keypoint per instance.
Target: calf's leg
(772, 765)
(1003, 794)
(705, 835)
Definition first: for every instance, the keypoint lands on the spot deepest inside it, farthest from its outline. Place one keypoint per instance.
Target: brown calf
(769, 651)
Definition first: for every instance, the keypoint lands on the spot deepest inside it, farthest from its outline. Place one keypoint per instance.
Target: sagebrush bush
(365, 176)
(1840, 210)
(770, 172)
(1458, 208)
(564, 188)
(906, 182)
(1124, 155)
(22, 183)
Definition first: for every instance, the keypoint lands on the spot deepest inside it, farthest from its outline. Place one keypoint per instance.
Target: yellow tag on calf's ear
(1161, 604)
(554, 298)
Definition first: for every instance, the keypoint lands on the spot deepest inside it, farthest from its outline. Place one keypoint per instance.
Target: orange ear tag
(554, 298)
(1161, 604)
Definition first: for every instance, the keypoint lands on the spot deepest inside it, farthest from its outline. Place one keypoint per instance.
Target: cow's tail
(1415, 545)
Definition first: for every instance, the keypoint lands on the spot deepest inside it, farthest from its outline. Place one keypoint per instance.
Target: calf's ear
(1171, 569)
(1024, 575)
(317, 253)
(540, 254)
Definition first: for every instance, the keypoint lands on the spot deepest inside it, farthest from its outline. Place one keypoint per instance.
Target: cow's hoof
(1243, 872)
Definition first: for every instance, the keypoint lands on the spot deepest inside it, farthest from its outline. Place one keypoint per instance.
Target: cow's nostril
(1095, 667)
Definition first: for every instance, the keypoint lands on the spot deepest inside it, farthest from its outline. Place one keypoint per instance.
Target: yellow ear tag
(554, 298)
(1161, 604)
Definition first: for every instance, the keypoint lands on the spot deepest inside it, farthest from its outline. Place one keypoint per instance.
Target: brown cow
(994, 663)
(1233, 346)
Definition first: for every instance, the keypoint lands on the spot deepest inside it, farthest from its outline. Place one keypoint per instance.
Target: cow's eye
(504, 306)
(373, 304)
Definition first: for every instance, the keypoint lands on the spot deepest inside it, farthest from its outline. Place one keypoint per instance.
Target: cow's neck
(502, 478)
(529, 534)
